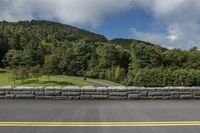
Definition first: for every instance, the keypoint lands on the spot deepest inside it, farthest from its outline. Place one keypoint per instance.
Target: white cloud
(177, 36)
(181, 17)
(90, 12)
(151, 37)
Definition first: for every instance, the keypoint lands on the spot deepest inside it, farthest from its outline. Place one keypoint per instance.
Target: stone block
(154, 89)
(21, 92)
(186, 97)
(167, 97)
(2, 97)
(166, 93)
(39, 93)
(85, 97)
(144, 93)
(45, 97)
(53, 88)
(169, 88)
(175, 97)
(71, 93)
(118, 94)
(197, 93)
(10, 96)
(99, 96)
(134, 92)
(136, 88)
(102, 89)
(181, 93)
(52, 93)
(155, 93)
(196, 97)
(143, 97)
(25, 96)
(20, 88)
(176, 93)
(71, 89)
(88, 89)
(2, 93)
(6, 88)
(133, 96)
(195, 89)
(73, 97)
(156, 97)
(61, 98)
(93, 93)
(118, 97)
(117, 89)
(40, 88)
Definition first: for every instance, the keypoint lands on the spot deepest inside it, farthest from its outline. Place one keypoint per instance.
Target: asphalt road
(97, 82)
(99, 111)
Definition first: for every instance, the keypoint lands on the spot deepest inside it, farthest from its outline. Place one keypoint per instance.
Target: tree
(36, 72)
(194, 49)
(20, 73)
(3, 48)
(83, 53)
(174, 58)
(33, 55)
(119, 74)
(66, 61)
(13, 76)
(145, 56)
(51, 65)
(13, 58)
(111, 55)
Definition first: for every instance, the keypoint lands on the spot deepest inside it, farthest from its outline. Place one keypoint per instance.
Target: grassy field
(43, 81)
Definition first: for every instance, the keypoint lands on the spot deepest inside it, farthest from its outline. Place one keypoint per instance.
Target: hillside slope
(35, 48)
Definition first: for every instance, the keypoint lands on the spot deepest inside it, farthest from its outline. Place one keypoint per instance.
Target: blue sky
(170, 23)
(118, 25)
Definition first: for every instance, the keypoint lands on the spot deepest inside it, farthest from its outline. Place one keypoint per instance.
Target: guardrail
(95, 93)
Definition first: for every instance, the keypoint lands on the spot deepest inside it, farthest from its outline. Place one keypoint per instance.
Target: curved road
(97, 82)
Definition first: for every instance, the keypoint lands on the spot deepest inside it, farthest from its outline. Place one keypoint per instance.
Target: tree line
(36, 48)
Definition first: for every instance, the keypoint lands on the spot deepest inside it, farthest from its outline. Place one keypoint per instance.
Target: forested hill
(35, 48)
(48, 31)
(127, 42)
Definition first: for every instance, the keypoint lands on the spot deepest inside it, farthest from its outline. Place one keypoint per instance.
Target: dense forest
(35, 48)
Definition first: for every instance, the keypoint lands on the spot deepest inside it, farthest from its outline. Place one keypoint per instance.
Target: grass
(44, 81)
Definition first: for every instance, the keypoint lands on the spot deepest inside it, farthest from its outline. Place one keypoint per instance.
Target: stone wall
(94, 93)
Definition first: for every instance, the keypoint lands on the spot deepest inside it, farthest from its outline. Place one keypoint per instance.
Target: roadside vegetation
(59, 80)
(33, 49)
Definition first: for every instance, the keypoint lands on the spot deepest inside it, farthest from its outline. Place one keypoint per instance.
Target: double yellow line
(99, 124)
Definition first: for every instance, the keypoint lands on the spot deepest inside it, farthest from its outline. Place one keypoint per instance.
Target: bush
(92, 74)
(164, 77)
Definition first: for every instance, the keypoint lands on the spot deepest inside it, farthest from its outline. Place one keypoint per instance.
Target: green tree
(51, 65)
(13, 58)
(3, 48)
(20, 73)
(36, 72)
(119, 74)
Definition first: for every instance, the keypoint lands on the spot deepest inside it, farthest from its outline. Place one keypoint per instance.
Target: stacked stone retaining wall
(97, 93)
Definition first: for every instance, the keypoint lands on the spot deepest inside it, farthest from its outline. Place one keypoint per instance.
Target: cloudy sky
(170, 23)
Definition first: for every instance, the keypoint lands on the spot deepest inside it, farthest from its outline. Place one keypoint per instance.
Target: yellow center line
(99, 124)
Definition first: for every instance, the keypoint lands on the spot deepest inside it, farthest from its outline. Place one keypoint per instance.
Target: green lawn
(44, 81)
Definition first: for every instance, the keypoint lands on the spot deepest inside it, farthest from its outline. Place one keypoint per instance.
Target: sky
(169, 23)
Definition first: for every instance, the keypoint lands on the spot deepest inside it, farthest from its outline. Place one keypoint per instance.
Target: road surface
(98, 82)
(95, 112)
